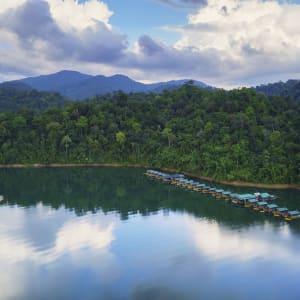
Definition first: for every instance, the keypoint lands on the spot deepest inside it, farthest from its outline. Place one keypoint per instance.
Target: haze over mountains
(75, 85)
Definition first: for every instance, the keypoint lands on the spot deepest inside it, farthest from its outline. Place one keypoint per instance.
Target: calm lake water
(112, 233)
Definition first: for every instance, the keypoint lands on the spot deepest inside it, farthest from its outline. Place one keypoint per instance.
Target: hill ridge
(76, 85)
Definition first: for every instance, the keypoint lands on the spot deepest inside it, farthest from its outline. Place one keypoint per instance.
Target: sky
(225, 43)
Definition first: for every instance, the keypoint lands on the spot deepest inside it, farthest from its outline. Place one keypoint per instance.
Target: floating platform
(259, 202)
(292, 215)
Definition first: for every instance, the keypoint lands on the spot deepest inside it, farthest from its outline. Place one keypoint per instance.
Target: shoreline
(230, 183)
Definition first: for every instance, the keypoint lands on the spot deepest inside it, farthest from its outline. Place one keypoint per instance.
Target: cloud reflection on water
(217, 242)
(78, 243)
(73, 236)
(158, 255)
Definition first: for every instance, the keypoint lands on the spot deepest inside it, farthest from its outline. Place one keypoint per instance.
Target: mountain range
(290, 89)
(75, 85)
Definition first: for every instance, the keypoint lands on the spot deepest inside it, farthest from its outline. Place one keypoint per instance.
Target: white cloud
(9, 4)
(259, 37)
(54, 34)
(225, 43)
(72, 15)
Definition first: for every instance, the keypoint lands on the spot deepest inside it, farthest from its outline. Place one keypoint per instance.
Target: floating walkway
(259, 202)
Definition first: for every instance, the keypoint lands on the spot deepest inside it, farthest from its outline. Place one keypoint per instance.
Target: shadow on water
(127, 192)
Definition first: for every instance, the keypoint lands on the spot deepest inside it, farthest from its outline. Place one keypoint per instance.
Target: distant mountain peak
(119, 75)
(68, 72)
(76, 85)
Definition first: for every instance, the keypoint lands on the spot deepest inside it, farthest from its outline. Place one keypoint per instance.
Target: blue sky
(227, 43)
(139, 17)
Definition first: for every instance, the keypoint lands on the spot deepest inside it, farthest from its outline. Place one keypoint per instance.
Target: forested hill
(235, 135)
(75, 85)
(19, 96)
(290, 89)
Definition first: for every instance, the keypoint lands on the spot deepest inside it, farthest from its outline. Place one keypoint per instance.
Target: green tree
(121, 138)
(66, 141)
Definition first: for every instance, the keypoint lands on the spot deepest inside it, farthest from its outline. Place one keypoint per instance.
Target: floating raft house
(292, 215)
(257, 201)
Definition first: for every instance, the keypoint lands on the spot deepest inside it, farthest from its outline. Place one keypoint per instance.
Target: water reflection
(86, 235)
(124, 191)
(29, 262)
(72, 236)
(219, 243)
(112, 234)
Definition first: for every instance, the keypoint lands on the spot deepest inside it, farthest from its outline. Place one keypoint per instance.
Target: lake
(112, 233)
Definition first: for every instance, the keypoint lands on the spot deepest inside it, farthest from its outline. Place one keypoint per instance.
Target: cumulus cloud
(161, 61)
(261, 37)
(149, 46)
(225, 42)
(232, 42)
(70, 14)
(54, 31)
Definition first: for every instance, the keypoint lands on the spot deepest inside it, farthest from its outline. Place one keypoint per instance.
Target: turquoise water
(111, 233)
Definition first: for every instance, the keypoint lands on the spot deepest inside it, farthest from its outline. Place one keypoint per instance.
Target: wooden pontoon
(270, 208)
(292, 215)
(280, 211)
(257, 201)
